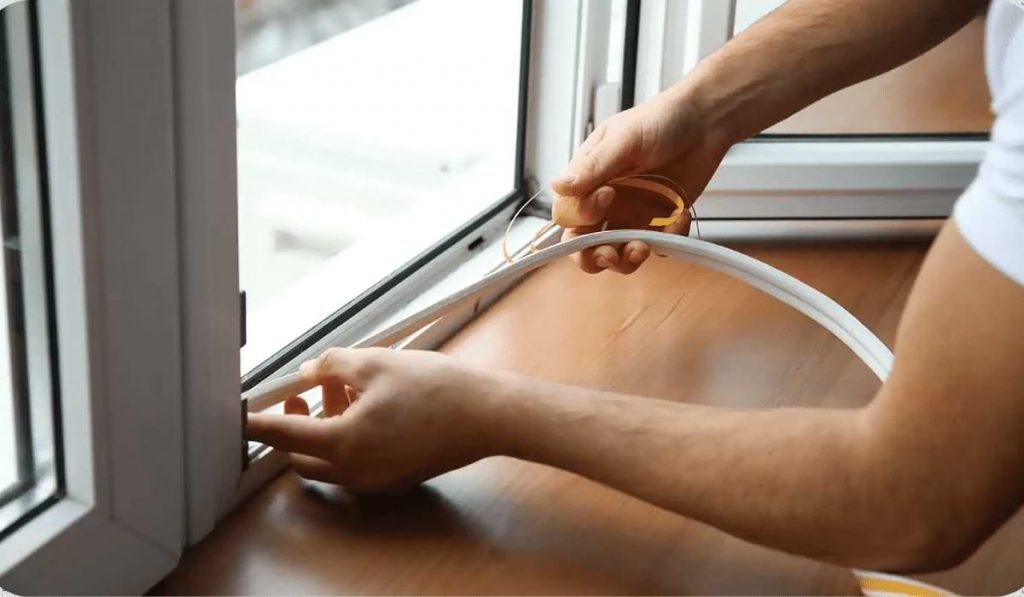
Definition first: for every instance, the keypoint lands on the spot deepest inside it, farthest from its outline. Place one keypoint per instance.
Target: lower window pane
(942, 91)
(368, 130)
(29, 473)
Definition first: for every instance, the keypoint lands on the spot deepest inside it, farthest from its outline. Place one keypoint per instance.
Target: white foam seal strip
(782, 286)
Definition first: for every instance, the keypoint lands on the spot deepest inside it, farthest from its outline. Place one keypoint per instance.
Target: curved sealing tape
(638, 182)
(820, 308)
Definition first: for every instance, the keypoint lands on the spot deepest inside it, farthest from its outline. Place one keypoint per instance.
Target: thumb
(598, 160)
(572, 212)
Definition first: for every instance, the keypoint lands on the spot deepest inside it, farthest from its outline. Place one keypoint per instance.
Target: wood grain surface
(503, 526)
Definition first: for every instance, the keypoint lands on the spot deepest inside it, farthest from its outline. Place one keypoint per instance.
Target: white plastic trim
(782, 286)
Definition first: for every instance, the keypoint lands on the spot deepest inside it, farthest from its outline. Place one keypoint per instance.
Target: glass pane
(616, 40)
(28, 471)
(942, 91)
(368, 130)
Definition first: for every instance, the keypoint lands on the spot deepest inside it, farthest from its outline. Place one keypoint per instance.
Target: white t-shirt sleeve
(990, 214)
(994, 227)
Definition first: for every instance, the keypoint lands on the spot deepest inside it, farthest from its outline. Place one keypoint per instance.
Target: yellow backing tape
(887, 584)
(638, 182)
(655, 187)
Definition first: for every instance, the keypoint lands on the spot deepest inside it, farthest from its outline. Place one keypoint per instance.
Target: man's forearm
(916, 479)
(797, 480)
(808, 49)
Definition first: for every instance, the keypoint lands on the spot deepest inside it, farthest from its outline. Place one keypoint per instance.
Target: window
(889, 160)
(91, 344)
(30, 472)
(435, 217)
(614, 90)
(339, 161)
(941, 92)
(369, 132)
(126, 210)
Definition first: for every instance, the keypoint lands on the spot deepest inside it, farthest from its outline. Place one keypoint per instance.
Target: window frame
(115, 297)
(553, 35)
(26, 248)
(10, 270)
(828, 177)
(141, 181)
(564, 37)
(320, 335)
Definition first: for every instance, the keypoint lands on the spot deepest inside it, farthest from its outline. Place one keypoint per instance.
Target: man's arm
(807, 49)
(801, 52)
(914, 481)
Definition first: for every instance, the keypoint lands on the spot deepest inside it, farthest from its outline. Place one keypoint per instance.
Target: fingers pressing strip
(271, 392)
(296, 405)
(343, 366)
(291, 433)
(606, 257)
(585, 258)
(633, 254)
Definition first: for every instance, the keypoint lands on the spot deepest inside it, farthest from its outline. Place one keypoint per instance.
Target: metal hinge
(242, 322)
(241, 319)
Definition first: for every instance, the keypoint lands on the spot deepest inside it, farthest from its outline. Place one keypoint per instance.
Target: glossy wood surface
(502, 526)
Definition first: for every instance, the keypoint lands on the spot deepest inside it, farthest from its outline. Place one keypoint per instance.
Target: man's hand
(666, 136)
(392, 419)
(801, 52)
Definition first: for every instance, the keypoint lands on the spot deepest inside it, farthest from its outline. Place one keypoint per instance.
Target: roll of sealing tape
(815, 305)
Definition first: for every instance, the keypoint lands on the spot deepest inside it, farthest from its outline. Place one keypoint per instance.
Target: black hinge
(245, 442)
(241, 318)
(245, 403)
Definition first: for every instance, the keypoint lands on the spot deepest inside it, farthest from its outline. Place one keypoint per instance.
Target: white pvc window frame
(822, 178)
(138, 109)
(567, 60)
(119, 525)
(560, 43)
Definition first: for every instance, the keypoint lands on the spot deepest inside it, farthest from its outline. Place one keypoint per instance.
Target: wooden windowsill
(502, 526)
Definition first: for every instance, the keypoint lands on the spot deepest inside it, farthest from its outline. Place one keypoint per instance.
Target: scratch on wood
(631, 319)
(671, 311)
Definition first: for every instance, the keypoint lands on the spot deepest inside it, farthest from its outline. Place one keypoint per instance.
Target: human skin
(801, 52)
(913, 481)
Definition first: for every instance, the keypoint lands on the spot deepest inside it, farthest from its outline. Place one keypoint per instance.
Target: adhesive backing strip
(637, 182)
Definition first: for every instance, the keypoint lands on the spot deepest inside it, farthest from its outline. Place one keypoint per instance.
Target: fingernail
(604, 198)
(564, 180)
(635, 257)
(602, 263)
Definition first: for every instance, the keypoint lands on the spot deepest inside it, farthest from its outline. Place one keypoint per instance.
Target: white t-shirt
(990, 214)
